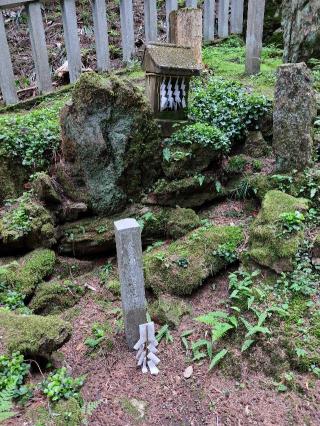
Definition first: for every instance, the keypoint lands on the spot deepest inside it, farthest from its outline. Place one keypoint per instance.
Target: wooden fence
(219, 17)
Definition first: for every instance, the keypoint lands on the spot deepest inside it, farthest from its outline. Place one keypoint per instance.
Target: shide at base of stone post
(129, 255)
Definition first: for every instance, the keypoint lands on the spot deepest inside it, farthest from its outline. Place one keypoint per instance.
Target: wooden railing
(226, 22)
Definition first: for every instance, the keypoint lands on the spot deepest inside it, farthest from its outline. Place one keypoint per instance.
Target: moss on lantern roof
(169, 59)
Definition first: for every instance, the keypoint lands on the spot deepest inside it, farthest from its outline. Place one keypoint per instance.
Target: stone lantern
(169, 69)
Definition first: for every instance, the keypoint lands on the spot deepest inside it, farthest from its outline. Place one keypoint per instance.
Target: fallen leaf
(188, 372)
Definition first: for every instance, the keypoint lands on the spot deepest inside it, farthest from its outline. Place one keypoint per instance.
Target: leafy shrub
(13, 371)
(12, 299)
(202, 134)
(59, 385)
(19, 219)
(227, 106)
(100, 333)
(33, 138)
(227, 252)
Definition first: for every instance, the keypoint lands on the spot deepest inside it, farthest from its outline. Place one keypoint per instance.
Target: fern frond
(6, 404)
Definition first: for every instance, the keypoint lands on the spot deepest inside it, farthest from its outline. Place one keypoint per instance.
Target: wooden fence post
(254, 36)
(101, 34)
(69, 19)
(236, 16)
(7, 83)
(170, 6)
(150, 20)
(192, 3)
(223, 19)
(39, 48)
(127, 30)
(208, 20)
(129, 255)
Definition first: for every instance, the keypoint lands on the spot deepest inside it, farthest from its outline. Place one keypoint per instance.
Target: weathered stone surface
(32, 335)
(255, 145)
(293, 118)
(12, 178)
(46, 189)
(268, 246)
(129, 258)
(93, 236)
(25, 225)
(111, 141)
(301, 25)
(182, 266)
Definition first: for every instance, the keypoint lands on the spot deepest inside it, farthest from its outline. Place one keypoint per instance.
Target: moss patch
(169, 310)
(267, 246)
(182, 266)
(33, 335)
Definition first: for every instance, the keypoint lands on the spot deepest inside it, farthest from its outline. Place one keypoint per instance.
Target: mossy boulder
(96, 235)
(168, 310)
(33, 269)
(54, 297)
(26, 225)
(33, 335)
(268, 246)
(46, 189)
(189, 192)
(255, 145)
(66, 412)
(180, 267)
(112, 141)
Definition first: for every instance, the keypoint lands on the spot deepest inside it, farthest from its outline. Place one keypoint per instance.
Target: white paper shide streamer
(147, 349)
(172, 94)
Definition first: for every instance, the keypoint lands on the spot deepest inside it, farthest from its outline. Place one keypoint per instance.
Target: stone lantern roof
(170, 59)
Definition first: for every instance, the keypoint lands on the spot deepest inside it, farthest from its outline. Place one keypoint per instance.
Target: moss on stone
(54, 297)
(267, 246)
(33, 335)
(114, 287)
(182, 266)
(68, 412)
(12, 178)
(33, 269)
(169, 310)
(26, 224)
(182, 221)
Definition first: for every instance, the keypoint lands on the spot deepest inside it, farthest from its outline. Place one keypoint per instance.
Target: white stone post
(129, 255)
(101, 34)
(254, 36)
(236, 16)
(192, 3)
(127, 30)
(150, 20)
(223, 19)
(208, 20)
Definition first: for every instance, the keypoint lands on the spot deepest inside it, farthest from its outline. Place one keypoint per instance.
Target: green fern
(6, 404)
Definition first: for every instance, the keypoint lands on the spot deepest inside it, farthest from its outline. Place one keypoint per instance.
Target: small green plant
(19, 219)
(6, 405)
(145, 218)
(13, 371)
(241, 287)
(227, 252)
(236, 164)
(291, 222)
(256, 166)
(164, 333)
(105, 272)
(183, 262)
(98, 335)
(283, 182)
(59, 385)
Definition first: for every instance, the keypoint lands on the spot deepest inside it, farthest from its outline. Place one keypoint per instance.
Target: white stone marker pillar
(223, 19)
(236, 16)
(127, 29)
(170, 6)
(254, 36)
(150, 20)
(129, 255)
(208, 20)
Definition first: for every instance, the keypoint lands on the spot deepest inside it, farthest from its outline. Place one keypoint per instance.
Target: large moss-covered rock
(168, 310)
(32, 335)
(26, 225)
(55, 296)
(268, 245)
(34, 268)
(96, 235)
(111, 140)
(301, 25)
(182, 266)
(294, 114)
